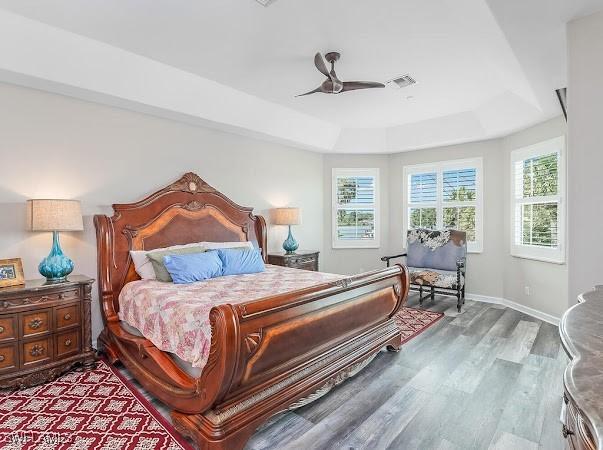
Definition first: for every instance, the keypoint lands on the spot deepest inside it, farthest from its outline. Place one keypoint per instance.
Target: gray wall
(585, 161)
(58, 147)
(547, 282)
(484, 269)
(355, 260)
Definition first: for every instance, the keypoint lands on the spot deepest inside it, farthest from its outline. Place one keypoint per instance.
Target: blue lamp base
(56, 266)
(290, 244)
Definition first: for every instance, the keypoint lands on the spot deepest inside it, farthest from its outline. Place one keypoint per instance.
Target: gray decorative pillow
(156, 259)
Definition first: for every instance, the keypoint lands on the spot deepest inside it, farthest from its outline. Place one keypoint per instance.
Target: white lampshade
(286, 216)
(54, 215)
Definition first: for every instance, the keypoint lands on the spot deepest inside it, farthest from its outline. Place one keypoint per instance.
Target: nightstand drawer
(307, 266)
(66, 316)
(35, 322)
(8, 357)
(296, 261)
(67, 343)
(37, 351)
(8, 328)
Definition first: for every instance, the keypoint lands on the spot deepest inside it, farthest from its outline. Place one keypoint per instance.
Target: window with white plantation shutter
(445, 195)
(537, 211)
(355, 208)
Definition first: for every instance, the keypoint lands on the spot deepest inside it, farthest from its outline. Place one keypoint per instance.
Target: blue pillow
(240, 261)
(191, 267)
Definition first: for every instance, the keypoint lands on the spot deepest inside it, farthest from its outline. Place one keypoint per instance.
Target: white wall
(58, 147)
(483, 269)
(355, 260)
(585, 162)
(546, 282)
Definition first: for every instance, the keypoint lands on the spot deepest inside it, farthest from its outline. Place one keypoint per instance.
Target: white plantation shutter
(445, 195)
(355, 204)
(423, 193)
(537, 201)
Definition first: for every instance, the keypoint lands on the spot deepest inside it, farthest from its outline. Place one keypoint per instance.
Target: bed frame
(266, 356)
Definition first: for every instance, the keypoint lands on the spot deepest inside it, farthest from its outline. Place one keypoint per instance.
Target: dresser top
(40, 285)
(581, 331)
(296, 253)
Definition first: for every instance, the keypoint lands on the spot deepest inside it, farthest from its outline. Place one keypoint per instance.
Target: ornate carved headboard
(189, 210)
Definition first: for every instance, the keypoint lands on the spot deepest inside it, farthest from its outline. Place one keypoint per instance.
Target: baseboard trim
(516, 306)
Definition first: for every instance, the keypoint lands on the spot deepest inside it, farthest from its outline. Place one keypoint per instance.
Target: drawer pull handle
(1, 329)
(67, 342)
(67, 316)
(36, 323)
(566, 431)
(1, 358)
(37, 350)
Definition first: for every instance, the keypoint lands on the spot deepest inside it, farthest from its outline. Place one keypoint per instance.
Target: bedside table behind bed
(302, 259)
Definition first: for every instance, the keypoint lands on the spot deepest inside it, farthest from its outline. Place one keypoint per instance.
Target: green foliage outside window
(423, 218)
(540, 176)
(461, 218)
(539, 220)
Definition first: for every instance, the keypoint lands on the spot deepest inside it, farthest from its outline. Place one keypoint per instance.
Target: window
(445, 195)
(355, 208)
(537, 208)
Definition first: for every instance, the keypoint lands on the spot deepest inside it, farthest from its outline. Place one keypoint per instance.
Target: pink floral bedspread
(175, 317)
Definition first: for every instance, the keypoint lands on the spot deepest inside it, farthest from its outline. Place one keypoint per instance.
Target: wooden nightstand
(44, 330)
(302, 259)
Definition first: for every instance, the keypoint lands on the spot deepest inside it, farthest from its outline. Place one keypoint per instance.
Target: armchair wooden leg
(420, 294)
(459, 300)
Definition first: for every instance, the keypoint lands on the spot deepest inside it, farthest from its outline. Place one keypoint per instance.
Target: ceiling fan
(333, 85)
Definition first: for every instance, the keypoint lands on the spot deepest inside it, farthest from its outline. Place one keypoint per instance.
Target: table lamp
(55, 216)
(288, 216)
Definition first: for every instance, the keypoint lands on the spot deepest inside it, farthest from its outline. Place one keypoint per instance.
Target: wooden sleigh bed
(266, 356)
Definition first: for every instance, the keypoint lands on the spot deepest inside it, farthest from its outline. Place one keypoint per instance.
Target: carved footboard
(279, 353)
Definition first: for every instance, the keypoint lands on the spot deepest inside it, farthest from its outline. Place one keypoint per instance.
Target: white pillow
(144, 268)
(217, 245)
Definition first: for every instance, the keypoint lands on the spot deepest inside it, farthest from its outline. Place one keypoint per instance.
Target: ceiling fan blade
(354, 85)
(318, 89)
(319, 62)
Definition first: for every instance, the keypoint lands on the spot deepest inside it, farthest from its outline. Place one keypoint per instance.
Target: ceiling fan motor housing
(332, 57)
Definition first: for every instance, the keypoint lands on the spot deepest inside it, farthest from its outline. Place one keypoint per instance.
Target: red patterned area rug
(413, 321)
(98, 409)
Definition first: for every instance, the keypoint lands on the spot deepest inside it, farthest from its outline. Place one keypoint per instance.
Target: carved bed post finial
(191, 182)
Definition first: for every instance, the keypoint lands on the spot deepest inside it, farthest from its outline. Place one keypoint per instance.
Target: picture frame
(11, 272)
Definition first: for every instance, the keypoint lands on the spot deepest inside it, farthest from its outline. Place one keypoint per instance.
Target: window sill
(543, 259)
(354, 247)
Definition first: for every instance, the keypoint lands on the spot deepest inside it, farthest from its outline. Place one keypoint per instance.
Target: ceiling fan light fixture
(401, 82)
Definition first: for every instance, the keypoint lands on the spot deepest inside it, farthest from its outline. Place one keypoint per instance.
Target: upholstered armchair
(436, 262)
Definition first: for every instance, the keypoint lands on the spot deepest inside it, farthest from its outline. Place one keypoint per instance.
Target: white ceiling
(483, 67)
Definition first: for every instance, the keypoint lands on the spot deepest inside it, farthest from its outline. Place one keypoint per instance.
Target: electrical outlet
(526, 290)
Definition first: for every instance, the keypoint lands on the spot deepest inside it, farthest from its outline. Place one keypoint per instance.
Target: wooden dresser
(581, 331)
(302, 259)
(44, 330)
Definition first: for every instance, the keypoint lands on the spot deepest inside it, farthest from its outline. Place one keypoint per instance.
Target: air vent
(265, 2)
(400, 82)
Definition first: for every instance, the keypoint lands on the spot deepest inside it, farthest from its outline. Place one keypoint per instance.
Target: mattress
(175, 317)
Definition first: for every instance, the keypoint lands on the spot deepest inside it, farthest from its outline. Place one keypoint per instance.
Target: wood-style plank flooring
(489, 378)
